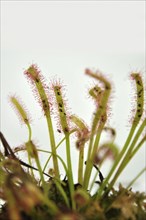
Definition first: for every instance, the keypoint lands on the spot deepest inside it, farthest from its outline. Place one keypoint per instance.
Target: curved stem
(29, 132)
(56, 148)
(137, 176)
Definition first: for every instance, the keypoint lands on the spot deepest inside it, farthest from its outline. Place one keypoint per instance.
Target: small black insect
(59, 130)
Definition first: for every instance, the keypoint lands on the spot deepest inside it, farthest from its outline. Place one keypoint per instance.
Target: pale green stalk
(135, 179)
(129, 155)
(94, 151)
(70, 173)
(80, 164)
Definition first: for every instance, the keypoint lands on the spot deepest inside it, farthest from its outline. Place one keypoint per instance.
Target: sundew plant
(58, 197)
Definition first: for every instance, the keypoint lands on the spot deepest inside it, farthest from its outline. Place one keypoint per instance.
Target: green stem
(93, 153)
(64, 165)
(116, 162)
(128, 155)
(138, 146)
(29, 157)
(70, 174)
(80, 165)
(29, 132)
(88, 162)
(101, 112)
(56, 148)
(93, 181)
(51, 205)
(44, 151)
(52, 142)
(91, 162)
(62, 191)
(125, 161)
(129, 138)
(51, 154)
(40, 171)
(137, 176)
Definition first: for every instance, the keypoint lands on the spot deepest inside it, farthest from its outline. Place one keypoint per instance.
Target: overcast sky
(64, 38)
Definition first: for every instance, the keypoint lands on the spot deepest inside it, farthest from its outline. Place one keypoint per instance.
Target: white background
(64, 38)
